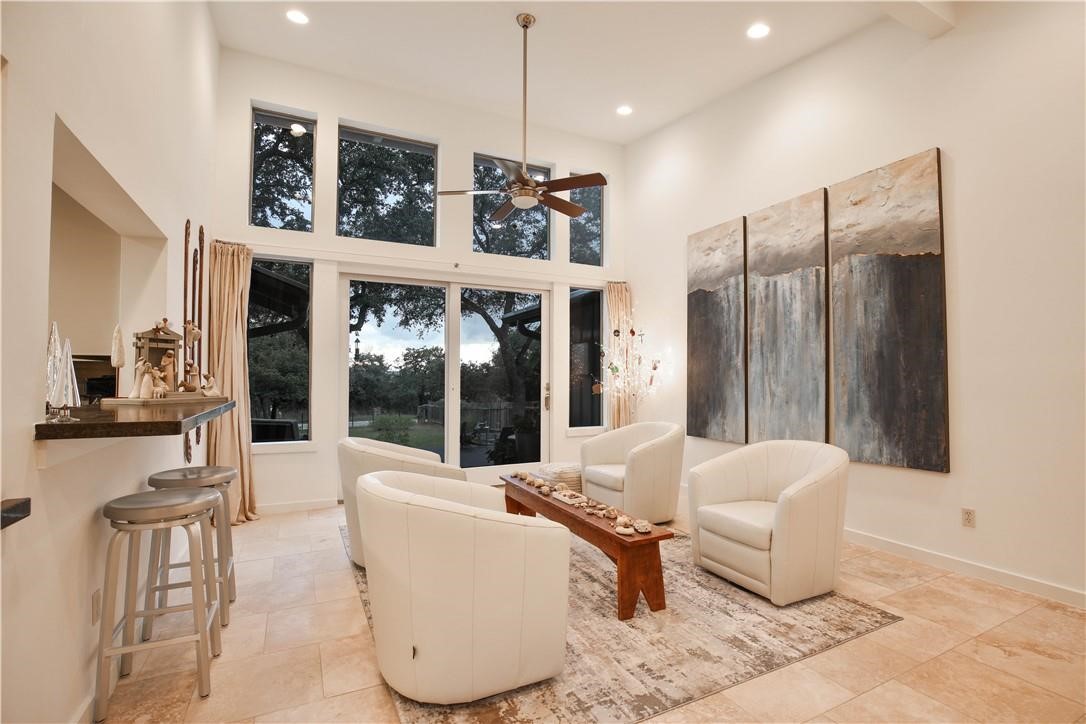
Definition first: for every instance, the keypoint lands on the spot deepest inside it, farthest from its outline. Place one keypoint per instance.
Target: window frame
(362, 130)
(295, 117)
(604, 207)
(288, 446)
(550, 170)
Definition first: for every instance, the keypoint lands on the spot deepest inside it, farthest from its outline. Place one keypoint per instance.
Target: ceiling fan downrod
(525, 21)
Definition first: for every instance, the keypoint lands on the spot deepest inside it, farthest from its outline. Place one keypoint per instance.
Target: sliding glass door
(396, 365)
(501, 381)
(457, 370)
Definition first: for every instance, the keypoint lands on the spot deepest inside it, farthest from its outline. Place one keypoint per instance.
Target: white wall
(135, 83)
(84, 276)
(1002, 96)
(306, 474)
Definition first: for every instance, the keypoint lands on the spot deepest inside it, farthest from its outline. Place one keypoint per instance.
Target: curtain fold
(620, 322)
(230, 436)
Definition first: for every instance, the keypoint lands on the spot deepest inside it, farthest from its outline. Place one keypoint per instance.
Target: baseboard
(296, 505)
(991, 574)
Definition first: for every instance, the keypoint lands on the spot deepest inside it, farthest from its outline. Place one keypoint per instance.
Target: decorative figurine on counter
(168, 365)
(210, 389)
(142, 366)
(191, 383)
(158, 384)
(192, 334)
(163, 326)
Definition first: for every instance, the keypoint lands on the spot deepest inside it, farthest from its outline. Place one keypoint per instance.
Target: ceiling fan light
(297, 17)
(525, 202)
(624, 110)
(297, 130)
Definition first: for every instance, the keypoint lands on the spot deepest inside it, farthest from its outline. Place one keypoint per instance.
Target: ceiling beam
(928, 18)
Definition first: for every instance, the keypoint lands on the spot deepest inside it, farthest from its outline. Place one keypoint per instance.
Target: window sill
(284, 448)
(585, 431)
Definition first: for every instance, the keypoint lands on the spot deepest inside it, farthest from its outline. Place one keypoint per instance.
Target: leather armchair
(636, 468)
(770, 517)
(359, 456)
(467, 600)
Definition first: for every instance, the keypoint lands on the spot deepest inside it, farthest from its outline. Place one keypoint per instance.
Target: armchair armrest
(808, 526)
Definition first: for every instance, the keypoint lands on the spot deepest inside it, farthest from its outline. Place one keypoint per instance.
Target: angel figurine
(192, 333)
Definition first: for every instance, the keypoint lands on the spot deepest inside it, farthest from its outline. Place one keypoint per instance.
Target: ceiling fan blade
(558, 204)
(579, 181)
(512, 171)
(502, 211)
(470, 193)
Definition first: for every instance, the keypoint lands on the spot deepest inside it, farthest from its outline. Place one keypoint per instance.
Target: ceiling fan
(523, 191)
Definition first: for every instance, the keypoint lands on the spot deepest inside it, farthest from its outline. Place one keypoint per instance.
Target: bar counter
(132, 421)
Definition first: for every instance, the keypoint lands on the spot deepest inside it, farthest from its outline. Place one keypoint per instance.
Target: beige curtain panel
(230, 436)
(620, 318)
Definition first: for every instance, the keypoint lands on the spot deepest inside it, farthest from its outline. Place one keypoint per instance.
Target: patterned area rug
(711, 636)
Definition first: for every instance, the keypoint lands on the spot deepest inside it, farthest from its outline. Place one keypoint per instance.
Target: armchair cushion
(747, 521)
(607, 476)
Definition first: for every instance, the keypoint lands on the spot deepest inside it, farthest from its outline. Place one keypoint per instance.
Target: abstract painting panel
(715, 299)
(888, 300)
(786, 278)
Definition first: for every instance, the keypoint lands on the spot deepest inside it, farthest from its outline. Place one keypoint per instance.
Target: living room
(553, 362)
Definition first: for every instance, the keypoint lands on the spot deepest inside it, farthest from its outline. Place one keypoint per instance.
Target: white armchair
(359, 456)
(636, 468)
(770, 517)
(467, 600)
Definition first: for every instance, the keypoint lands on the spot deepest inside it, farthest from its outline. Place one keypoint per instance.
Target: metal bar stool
(158, 511)
(218, 477)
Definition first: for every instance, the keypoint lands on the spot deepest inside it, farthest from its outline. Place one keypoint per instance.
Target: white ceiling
(585, 59)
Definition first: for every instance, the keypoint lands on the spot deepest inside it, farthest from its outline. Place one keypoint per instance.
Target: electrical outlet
(969, 518)
(96, 607)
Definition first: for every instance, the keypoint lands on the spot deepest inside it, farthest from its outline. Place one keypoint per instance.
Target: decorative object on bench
(770, 517)
(470, 603)
(568, 474)
(636, 469)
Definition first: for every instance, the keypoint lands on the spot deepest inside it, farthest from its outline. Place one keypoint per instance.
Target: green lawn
(426, 436)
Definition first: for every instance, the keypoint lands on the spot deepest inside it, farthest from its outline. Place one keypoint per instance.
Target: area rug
(712, 635)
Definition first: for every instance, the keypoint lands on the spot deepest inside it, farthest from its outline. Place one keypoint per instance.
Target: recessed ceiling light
(297, 129)
(624, 110)
(297, 16)
(758, 30)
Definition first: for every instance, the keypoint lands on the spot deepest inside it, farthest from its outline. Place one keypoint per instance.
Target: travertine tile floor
(298, 649)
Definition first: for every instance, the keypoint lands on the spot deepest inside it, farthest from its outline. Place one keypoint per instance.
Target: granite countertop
(132, 421)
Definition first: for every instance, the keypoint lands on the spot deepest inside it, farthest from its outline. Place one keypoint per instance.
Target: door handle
(547, 396)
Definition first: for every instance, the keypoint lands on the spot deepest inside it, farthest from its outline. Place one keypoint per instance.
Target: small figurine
(158, 384)
(168, 365)
(137, 381)
(210, 389)
(147, 382)
(192, 377)
(192, 333)
(163, 326)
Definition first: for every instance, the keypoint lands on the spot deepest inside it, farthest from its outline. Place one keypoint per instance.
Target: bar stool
(157, 511)
(218, 477)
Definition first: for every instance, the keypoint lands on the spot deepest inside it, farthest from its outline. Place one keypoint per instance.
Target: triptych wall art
(859, 263)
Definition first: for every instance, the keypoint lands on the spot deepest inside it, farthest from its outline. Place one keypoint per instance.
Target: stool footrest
(145, 645)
